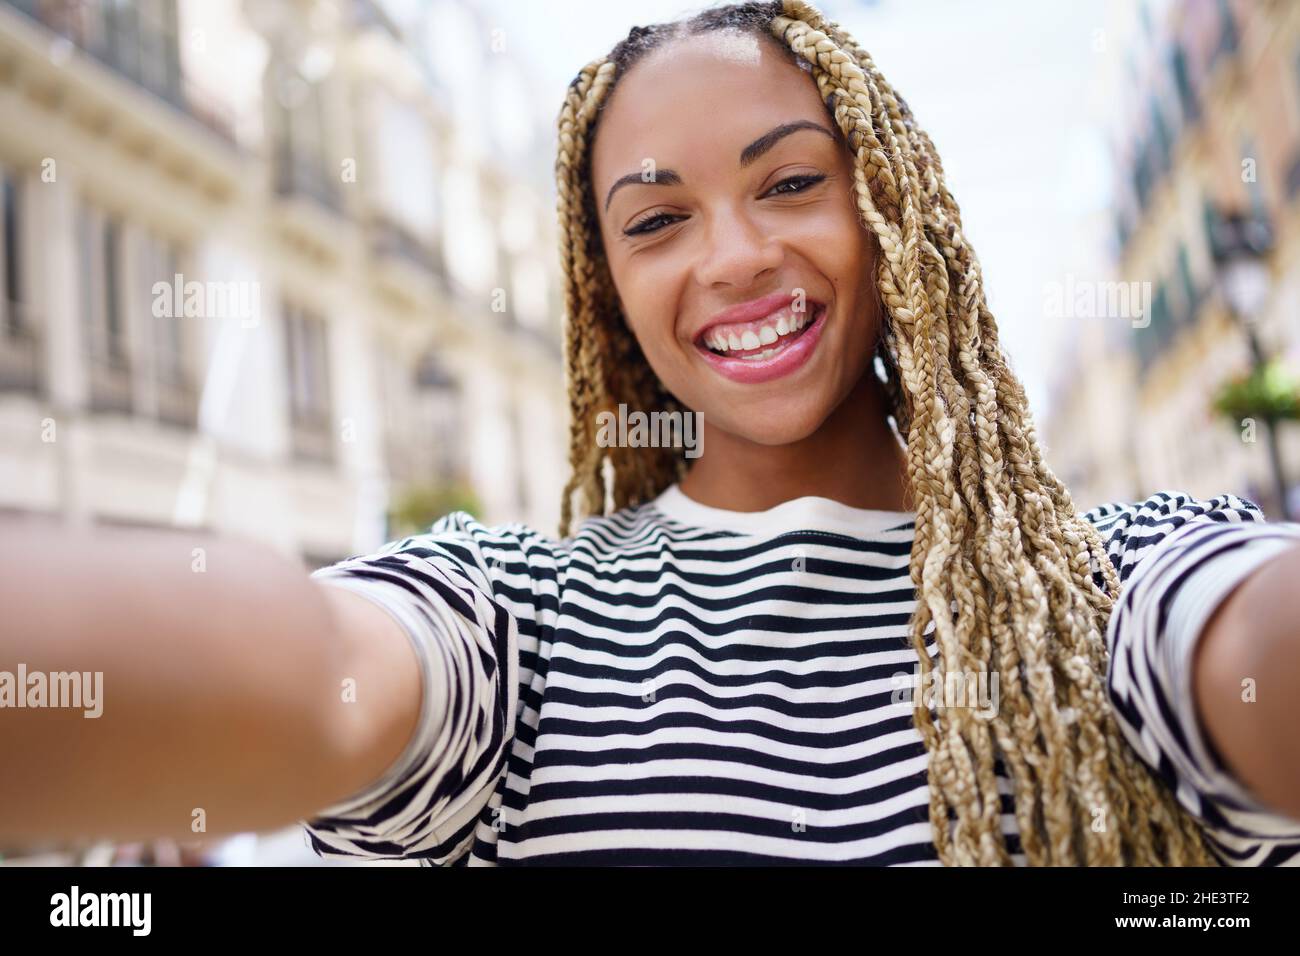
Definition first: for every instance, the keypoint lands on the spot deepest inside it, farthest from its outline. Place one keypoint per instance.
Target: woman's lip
(790, 358)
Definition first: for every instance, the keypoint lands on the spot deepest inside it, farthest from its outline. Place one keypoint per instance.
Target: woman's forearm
(219, 675)
(1246, 677)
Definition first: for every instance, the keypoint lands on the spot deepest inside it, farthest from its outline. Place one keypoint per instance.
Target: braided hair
(1014, 580)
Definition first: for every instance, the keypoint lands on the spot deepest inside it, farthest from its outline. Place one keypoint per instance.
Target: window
(20, 356)
(307, 358)
(1183, 83)
(1227, 30)
(11, 291)
(113, 330)
(159, 49)
(1143, 177)
(170, 382)
(404, 159)
(1191, 299)
(302, 164)
(140, 41)
(1209, 221)
(1161, 329)
(1163, 142)
(102, 314)
(1154, 338)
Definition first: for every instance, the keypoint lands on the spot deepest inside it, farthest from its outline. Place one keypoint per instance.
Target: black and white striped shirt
(677, 683)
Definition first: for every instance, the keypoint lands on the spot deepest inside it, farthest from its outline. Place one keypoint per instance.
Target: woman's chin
(772, 429)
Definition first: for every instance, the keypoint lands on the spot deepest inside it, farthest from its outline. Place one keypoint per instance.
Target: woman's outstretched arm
(237, 694)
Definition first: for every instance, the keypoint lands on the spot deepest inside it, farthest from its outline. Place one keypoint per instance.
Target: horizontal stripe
(680, 684)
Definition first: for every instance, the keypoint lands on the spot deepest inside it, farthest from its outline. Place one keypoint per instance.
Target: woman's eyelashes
(804, 182)
(652, 222)
(642, 226)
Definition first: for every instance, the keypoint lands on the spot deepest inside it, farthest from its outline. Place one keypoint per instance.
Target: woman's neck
(853, 458)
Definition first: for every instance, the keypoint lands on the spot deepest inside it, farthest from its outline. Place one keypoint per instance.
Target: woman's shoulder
(1132, 528)
(463, 531)
(1172, 504)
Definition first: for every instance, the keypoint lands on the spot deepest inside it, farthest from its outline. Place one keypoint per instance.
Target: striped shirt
(681, 684)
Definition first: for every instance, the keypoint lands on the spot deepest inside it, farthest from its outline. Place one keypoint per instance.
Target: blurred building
(1204, 101)
(269, 264)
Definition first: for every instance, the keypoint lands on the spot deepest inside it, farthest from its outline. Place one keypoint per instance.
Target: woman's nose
(736, 251)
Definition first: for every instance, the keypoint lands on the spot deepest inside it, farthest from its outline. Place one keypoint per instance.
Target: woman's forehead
(700, 90)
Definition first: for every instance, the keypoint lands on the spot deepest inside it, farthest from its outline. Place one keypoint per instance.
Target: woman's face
(714, 204)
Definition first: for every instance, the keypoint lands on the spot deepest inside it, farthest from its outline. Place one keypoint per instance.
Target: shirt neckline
(807, 513)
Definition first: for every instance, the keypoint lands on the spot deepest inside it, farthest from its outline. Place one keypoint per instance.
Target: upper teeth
(775, 326)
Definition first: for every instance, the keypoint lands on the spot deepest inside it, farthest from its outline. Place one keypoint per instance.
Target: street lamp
(1240, 244)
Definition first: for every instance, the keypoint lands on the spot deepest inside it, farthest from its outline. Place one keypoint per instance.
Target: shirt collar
(808, 513)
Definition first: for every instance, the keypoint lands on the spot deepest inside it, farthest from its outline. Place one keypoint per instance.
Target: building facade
(1203, 103)
(263, 273)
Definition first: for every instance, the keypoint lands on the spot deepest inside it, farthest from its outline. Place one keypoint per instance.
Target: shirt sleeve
(1178, 558)
(438, 587)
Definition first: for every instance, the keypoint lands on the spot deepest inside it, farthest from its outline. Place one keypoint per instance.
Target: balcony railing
(145, 53)
(391, 239)
(295, 175)
(21, 352)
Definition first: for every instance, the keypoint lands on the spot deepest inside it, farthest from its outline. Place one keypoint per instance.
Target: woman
(868, 626)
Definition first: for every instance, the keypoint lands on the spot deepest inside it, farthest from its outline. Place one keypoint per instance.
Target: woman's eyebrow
(748, 155)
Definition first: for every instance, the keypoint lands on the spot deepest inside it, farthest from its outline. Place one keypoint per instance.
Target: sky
(1008, 90)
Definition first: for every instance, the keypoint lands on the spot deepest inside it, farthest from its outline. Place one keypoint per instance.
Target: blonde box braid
(1002, 564)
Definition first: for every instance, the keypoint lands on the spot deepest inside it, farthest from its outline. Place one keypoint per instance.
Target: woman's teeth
(776, 330)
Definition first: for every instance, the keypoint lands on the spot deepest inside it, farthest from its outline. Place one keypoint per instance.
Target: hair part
(1010, 577)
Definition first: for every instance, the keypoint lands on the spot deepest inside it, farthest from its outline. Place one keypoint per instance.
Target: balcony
(297, 176)
(21, 352)
(143, 52)
(310, 211)
(391, 240)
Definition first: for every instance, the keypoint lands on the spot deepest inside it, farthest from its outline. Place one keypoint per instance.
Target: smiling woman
(746, 232)
(755, 231)
(716, 659)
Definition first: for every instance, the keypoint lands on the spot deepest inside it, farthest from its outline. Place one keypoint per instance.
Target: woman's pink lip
(790, 358)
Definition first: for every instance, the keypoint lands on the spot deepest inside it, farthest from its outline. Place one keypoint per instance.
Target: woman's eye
(646, 224)
(656, 221)
(801, 182)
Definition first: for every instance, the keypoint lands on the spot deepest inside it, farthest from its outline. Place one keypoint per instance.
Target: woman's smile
(764, 349)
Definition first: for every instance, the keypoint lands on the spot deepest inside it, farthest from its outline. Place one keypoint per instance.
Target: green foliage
(419, 506)
(1269, 392)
